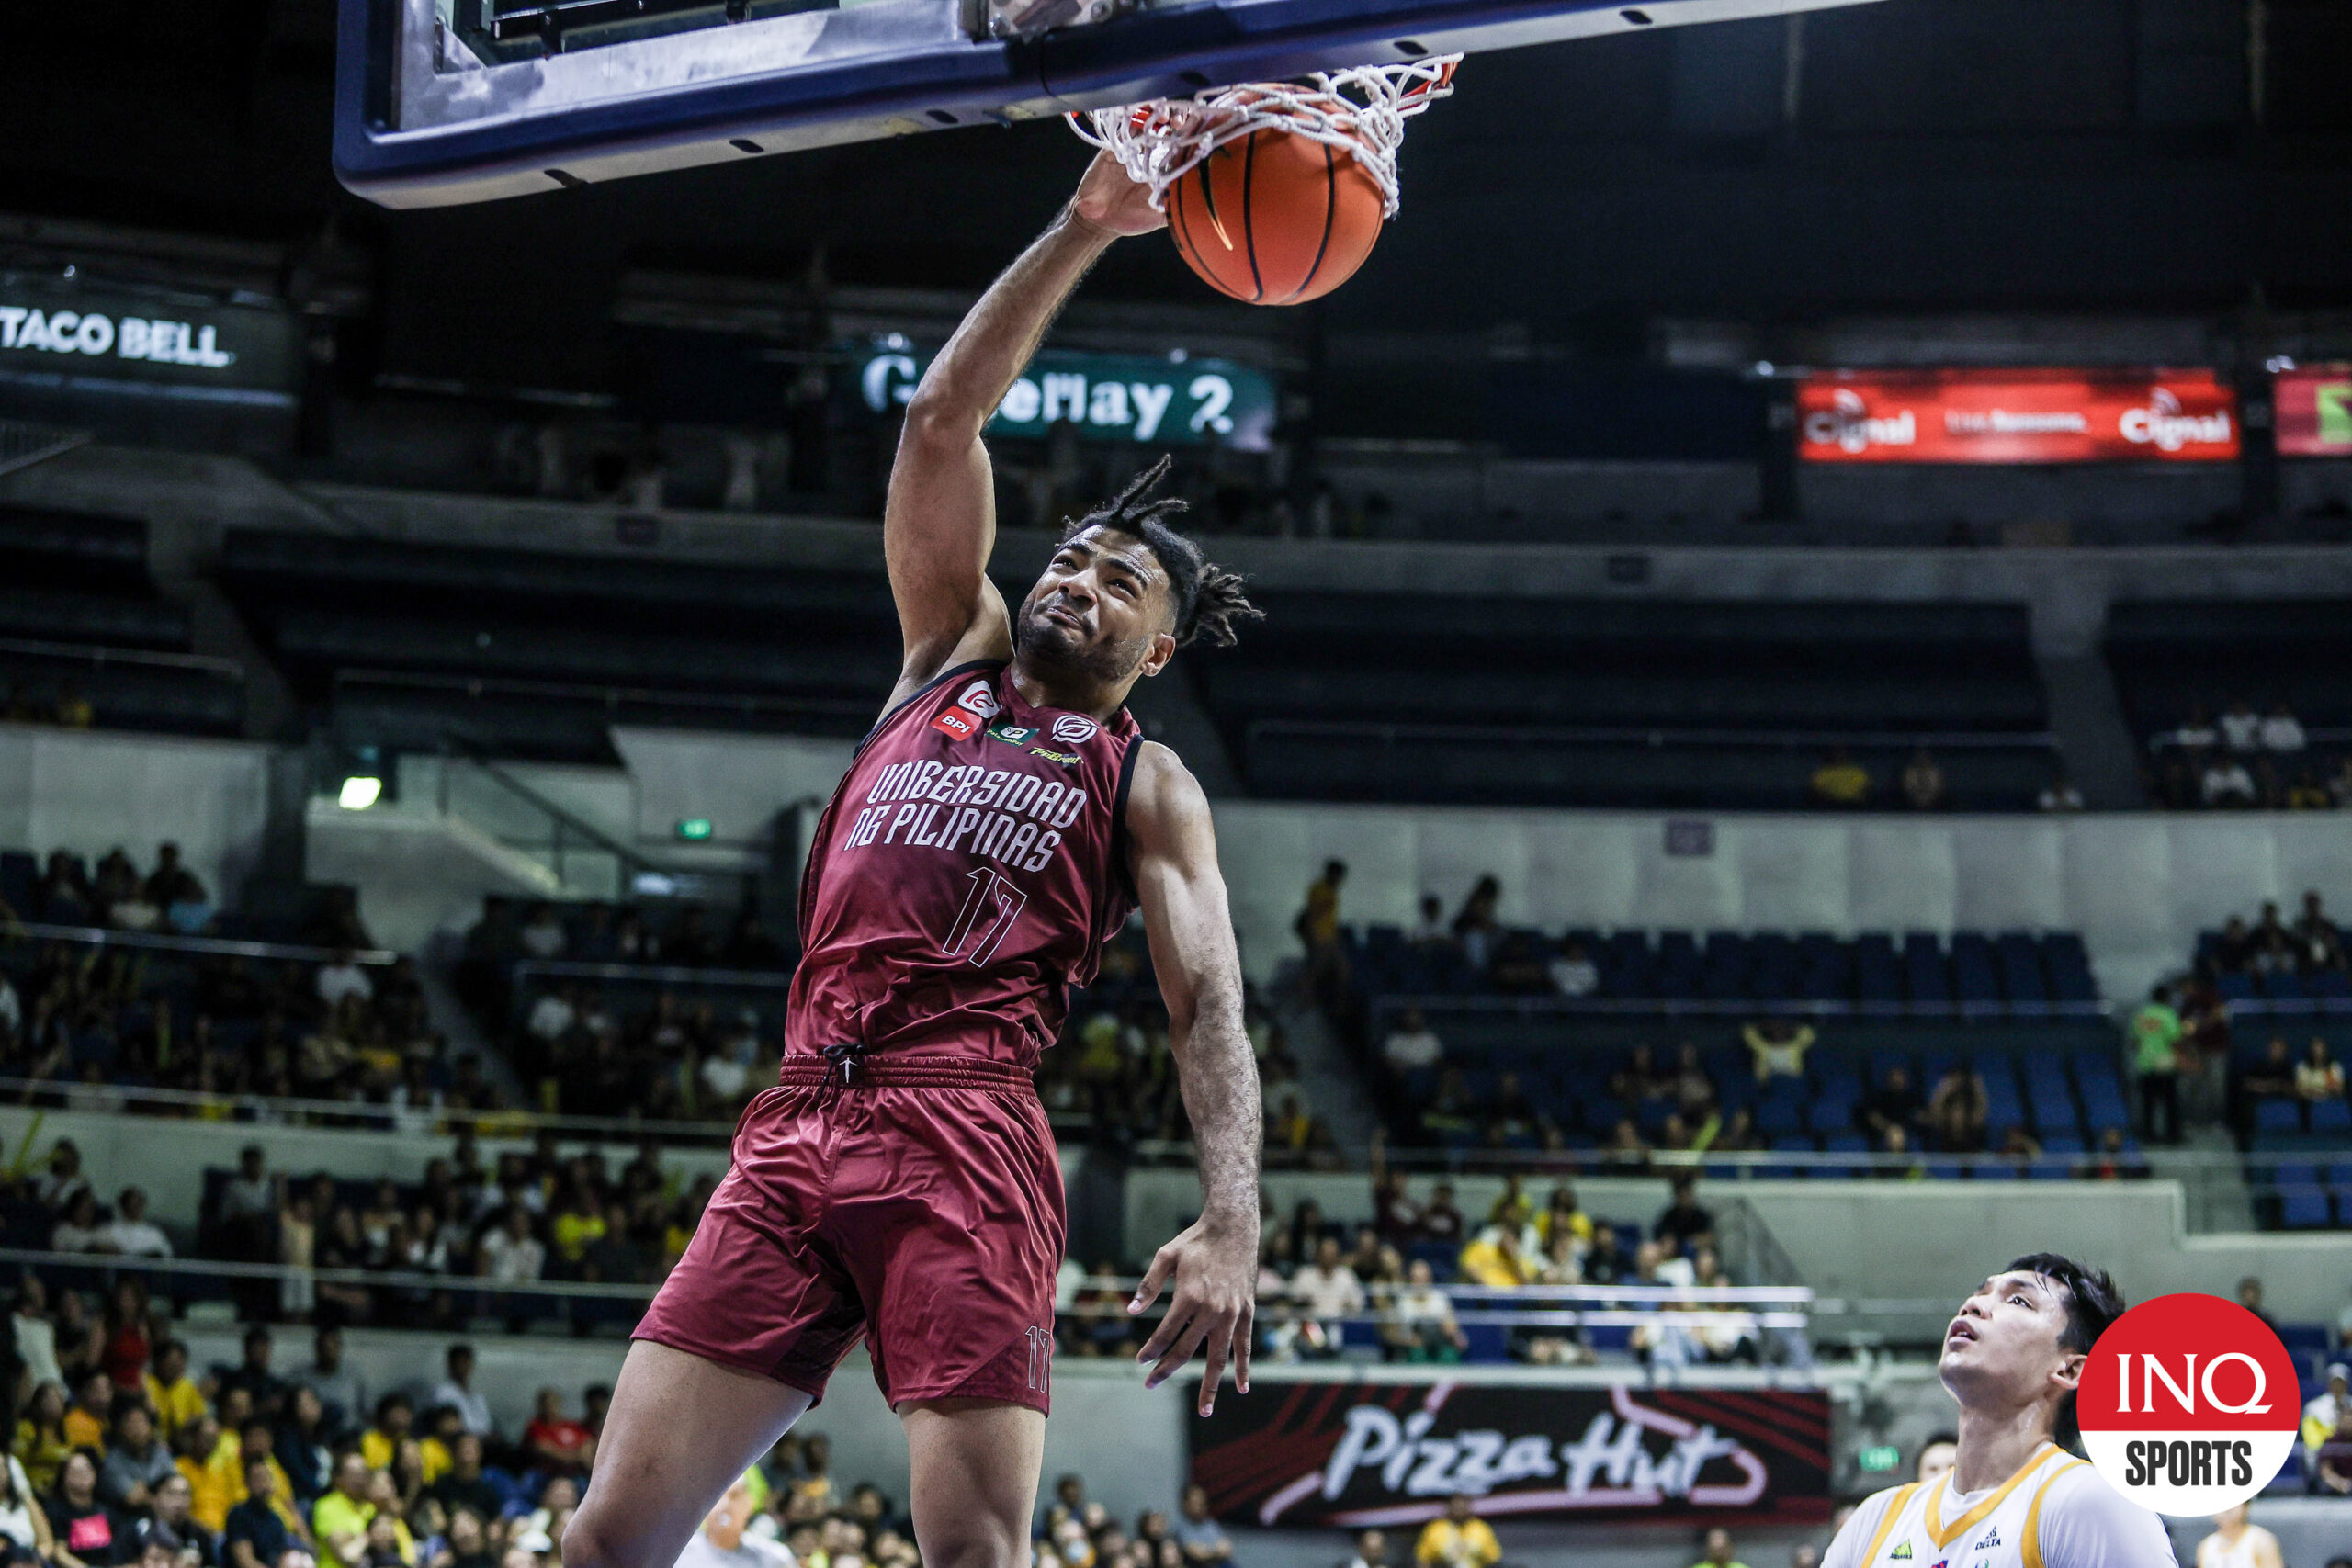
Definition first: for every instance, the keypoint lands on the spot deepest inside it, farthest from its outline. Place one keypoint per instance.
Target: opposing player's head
(1126, 590)
(2023, 1338)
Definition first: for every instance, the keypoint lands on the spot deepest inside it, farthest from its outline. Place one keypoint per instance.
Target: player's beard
(1045, 646)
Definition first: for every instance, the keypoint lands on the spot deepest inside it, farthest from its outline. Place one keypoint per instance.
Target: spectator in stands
(1895, 1162)
(1370, 1551)
(1430, 932)
(1317, 926)
(2225, 783)
(340, 1518)
(1840, 782)
(2318, 943)
(34, 1335)
(1923, 781)
(2155, 1063)
(82, 1227)
(341, 1391)
(1716, 1552)
(1419, 1323)
(1685, 1223)
(2273, 1078)
(88, 1533)
(1777, 1047)
(542, 936)
(130, 1234)
(63, 1181)
(2250, 1298)
(2318, 1076)
(136, 1461)
(1895, 1103)
(1625, 1151)
(1328, 1289)
(344, 977)
(1458, 1538)
(1478, 927)
(1695, 1087)
(2111, 1160)
(24, 1523)
(1957, 1112)
(2324, 1413)
(41, 1443)
(1574, 974)
(1522, 966)
(2059, 794)
(1199, 1537)
(260, 1531)
(554, 1440)
(253, 1376)
(2241, 727)
(510, 1253)
(2333, 1466)
(1412, 1045)
(1441, 1222)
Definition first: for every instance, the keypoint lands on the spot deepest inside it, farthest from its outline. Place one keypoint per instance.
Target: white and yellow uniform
(2054, 1513)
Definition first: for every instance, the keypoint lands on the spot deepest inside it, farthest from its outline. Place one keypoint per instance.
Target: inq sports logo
(2188, 1405)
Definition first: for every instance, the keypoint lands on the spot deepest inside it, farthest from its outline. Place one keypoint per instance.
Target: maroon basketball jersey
(971, 866)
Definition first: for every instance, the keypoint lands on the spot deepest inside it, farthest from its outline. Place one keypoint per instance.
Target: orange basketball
(1274, 218)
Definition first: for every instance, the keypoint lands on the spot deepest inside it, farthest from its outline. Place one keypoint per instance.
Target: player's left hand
(1214, 1264)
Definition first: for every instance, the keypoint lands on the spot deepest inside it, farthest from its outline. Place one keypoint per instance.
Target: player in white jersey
(2013, 1498)
(2238, 1544)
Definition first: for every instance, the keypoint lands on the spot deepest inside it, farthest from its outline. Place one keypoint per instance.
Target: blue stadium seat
(2278, 1116)
(2305, 1208)
(1975, 983)
(1928, 986)
(2331, 1118)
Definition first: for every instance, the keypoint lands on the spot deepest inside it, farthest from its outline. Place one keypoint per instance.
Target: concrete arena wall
(168, 1157)
(90, 790)
(1890, 1240)
(2138, 886)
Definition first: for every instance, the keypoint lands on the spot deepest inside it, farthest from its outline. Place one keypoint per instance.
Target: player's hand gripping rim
(1215, 1264)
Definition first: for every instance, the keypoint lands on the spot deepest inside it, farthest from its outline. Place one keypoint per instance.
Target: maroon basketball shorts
(919, 1205)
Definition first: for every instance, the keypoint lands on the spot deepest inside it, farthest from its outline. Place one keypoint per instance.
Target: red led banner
(2315, 411)
(2016, 416)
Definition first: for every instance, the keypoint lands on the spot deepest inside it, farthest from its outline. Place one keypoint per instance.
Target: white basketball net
(1361, 111)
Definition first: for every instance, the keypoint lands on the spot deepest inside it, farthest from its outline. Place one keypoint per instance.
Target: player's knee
(590, 1542)
(970, 1542)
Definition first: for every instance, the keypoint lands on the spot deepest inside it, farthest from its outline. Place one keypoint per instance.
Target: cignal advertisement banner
(1355, 1455)
(2016, 416)
(2314, 411)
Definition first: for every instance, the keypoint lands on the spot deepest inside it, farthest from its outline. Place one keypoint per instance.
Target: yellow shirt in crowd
(1445, 1544)
(176, 1404)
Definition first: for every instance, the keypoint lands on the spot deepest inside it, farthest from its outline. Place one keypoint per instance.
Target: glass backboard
(442, 102)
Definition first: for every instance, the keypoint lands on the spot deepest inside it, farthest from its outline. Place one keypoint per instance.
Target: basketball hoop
(1361, 111)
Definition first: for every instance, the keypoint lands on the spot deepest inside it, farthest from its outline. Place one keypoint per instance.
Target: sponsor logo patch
(1075, 728)
(1012, 734)
(1992, 1538)
(980, 699)
(1902, 1551)
(956, 722)
(1067, 758)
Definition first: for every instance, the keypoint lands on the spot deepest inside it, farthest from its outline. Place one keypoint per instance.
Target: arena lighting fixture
(360, 791)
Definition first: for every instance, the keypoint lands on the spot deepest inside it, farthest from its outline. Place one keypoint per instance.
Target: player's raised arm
(939, 524)
(1214, 1262)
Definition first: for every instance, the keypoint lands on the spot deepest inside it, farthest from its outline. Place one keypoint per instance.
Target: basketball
(1276, 218)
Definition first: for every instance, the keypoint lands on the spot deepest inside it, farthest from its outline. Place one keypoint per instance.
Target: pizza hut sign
(1354, 1456)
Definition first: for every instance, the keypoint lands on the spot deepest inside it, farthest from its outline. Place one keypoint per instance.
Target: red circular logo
(2188, 1405)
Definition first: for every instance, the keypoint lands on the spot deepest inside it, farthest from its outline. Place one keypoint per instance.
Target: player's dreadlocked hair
(1209, 600)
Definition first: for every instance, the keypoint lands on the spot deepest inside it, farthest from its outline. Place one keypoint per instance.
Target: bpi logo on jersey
(980, 699)
(1075, 728)
(956, 722)
(2188, 1405)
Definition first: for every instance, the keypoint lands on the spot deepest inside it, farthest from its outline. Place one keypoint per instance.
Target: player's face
(2005, 1339)
(1101, 609)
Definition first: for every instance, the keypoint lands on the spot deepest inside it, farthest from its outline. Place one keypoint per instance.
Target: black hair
(1208, 600)
(2092, 1303)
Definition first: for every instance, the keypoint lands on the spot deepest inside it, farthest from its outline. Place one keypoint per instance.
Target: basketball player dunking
(994, 830)
(2013, 1498)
